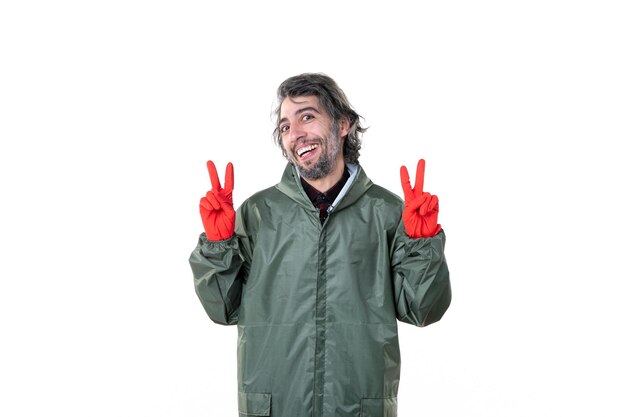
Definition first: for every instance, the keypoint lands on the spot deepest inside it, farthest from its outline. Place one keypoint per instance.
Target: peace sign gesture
(216, 208)
(420, 208)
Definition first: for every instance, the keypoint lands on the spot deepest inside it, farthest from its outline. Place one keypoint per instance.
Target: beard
(327, 160)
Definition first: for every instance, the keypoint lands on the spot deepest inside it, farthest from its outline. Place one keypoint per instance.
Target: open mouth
(306, 151)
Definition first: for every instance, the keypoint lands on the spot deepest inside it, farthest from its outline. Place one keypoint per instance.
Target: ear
(344, 127)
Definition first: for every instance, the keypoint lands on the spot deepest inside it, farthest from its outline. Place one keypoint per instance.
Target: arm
(219, 271)
(421, 278)
(218, 262)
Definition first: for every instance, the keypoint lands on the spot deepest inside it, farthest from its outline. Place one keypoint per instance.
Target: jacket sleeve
(220, 270)
(216, 267)
(421, 279)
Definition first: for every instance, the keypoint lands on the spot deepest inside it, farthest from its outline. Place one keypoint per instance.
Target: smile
(305, 150)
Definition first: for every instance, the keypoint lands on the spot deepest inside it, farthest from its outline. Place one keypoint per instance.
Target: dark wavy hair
(332, 99)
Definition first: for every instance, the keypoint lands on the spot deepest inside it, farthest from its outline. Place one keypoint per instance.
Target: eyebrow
(299, 111)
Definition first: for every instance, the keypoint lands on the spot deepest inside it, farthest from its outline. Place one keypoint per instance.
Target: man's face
(308, 137)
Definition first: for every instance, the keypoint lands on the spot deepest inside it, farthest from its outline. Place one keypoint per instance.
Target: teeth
(301, 151)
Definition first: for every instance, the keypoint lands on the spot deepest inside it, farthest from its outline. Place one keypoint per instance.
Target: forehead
(291, 105)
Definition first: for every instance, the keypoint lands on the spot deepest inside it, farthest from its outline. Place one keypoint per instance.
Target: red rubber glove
(216, 209)
(420, 208)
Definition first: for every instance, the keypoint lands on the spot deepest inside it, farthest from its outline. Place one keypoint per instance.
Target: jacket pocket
(379, 407)
(254, 404)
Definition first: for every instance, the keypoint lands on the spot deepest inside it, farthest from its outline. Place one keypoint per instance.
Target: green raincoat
(316, 305)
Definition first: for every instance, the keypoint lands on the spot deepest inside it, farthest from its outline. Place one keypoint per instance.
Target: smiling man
(312, 140)
(317, 270)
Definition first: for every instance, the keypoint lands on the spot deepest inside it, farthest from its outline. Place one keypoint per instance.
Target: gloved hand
(216, 209)
(420, 208)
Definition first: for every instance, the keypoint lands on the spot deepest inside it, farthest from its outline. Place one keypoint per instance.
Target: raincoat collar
(290, 185)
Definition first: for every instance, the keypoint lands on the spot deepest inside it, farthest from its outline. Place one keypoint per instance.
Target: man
(316, 270)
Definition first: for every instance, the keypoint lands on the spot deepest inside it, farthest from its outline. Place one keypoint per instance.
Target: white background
(109, 110)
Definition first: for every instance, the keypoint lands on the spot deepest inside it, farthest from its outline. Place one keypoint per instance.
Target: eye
(307, 117)
(284, 128)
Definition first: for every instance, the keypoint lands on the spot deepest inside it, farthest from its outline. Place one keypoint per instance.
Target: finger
(215, 180)
(424, 207)
(406, 184)
(229, 181)
(213, 201)
(205, 205)
(223, 199)
(412, 206)
(419, 177)
(416, 203)
(434, 204)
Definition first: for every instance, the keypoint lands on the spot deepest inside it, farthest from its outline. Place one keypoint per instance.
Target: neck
(325, 183)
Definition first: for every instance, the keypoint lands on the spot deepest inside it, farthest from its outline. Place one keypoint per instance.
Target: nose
(296, 132)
